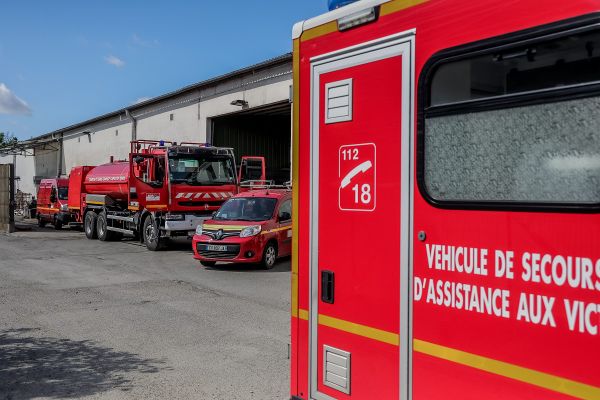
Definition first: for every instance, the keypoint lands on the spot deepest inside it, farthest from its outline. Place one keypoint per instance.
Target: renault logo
(219, 234)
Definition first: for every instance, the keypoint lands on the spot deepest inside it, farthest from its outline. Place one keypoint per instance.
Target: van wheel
(151, 235)
(89, 225)
(269, 256)
(208, 263)
(41, 222)
(102, 228)
(57, 224)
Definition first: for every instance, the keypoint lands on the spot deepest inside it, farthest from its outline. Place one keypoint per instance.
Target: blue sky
(62, 62)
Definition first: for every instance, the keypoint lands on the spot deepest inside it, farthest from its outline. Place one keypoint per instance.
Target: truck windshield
(201, 170)
(247, 209)
(63, 193)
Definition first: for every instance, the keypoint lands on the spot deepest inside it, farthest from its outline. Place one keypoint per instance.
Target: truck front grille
(213, 233)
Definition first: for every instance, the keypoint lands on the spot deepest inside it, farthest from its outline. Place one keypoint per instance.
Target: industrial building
(248, 109)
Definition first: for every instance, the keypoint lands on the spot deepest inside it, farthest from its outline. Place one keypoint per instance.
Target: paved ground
(87, 319)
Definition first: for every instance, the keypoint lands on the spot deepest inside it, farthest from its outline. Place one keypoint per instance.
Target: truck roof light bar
(358, 18)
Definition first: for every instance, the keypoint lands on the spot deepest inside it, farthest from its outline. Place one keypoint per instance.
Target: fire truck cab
(446, 179)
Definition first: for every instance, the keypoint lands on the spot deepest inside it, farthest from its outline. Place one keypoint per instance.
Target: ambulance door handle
(327, 286)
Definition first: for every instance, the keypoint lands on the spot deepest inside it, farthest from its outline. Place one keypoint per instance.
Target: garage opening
(264, 131)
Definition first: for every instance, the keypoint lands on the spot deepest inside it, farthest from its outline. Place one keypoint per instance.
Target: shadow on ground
(32, 367)
(283, 265)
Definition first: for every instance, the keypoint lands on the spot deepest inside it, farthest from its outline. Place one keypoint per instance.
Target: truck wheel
(269, 256)
(89, 225)
(101, 228)
(151, 235)
(208, 263)
(41, 222)
(57, 224)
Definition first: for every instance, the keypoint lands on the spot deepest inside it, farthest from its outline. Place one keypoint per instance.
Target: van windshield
(247, 209)
(63, 193)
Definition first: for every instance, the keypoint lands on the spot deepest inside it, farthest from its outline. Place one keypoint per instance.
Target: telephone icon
(361, 168)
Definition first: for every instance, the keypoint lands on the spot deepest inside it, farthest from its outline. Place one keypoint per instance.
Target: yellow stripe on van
(536, 378)
(284, 228)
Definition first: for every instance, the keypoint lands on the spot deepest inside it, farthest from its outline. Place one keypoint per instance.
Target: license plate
(216, 247)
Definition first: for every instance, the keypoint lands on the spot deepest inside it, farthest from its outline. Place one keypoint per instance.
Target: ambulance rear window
(514, 126)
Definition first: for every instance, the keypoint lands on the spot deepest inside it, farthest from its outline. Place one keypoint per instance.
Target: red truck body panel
(395, 311)
(109, 179)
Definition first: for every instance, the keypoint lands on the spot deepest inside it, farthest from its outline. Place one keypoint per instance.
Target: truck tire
(41, 222)
(57, 224)
(269, 257)
(151, 235)
(89, 225)
(101, 228)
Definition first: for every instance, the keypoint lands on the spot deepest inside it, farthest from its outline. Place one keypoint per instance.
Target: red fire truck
(446, 185)
(165, 190)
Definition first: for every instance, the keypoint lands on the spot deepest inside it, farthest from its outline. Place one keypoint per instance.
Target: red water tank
(110, 179)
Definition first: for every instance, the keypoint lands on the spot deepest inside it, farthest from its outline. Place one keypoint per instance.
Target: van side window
(285, 211)
(516, 126)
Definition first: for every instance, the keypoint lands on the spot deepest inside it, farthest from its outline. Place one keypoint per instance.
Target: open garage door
(260, 132)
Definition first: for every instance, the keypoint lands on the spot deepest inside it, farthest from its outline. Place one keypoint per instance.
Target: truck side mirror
(138, 159)
(53, 195)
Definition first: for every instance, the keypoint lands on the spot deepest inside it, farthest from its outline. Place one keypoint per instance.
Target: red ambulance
(446, 176)
(252, 227)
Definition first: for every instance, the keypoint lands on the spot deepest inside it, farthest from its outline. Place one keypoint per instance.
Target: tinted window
(247, 209)
(201, 170)
(286, 207)
(63, 193)
(540, 153)
(541, 149)
(569, 60)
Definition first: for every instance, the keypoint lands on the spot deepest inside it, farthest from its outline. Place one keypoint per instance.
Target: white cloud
(11, 104)
(139, 41)
(116, 61)
(141, 100)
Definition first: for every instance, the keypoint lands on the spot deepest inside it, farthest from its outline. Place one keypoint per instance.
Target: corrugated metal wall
(258, 135)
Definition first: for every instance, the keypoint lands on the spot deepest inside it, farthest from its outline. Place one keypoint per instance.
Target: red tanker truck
(165, 190)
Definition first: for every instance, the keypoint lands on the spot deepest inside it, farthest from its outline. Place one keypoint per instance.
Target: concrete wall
(96, 147)
(24, 170)
(6, 219)
(46, 160)
(190, 122)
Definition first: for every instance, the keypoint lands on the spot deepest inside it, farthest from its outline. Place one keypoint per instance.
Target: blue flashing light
(161, 143)
(333, 4)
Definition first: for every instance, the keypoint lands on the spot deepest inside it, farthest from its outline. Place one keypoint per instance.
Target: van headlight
(199, 230)
(250, 231)
(64, 207)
